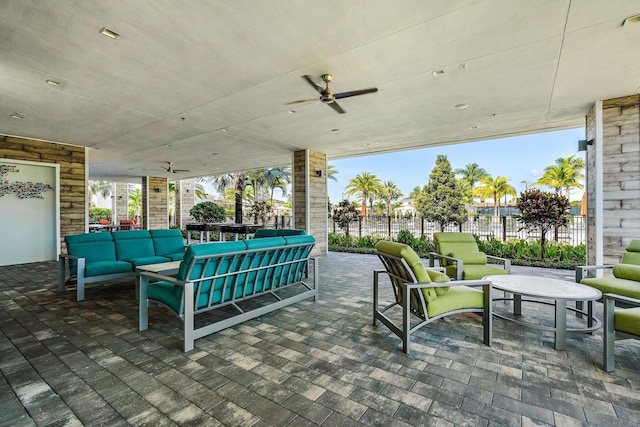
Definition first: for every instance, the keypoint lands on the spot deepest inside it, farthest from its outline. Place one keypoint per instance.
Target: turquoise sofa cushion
(168, 243)
(133, 244)
(264, 232)
(99, 268)
(627, 271)
(91, 246)
(136, 262)
(168, 293)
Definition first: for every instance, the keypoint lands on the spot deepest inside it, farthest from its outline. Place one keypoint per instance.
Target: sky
(520, 158)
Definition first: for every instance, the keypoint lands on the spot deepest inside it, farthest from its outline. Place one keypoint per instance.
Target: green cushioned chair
(426, 294)
(625, 279)
(619, 324)
(459, 254)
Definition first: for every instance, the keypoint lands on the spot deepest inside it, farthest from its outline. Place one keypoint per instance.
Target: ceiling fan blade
(312, 83)
(354, 93)
(336, 107)
(300, 101)
(180, 170)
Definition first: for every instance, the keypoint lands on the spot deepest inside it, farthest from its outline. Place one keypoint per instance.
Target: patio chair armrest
(621, 298)
(149, 275)
(470, 283)
(440, 256)
(581, 270)
(67, 256)
(505, 261)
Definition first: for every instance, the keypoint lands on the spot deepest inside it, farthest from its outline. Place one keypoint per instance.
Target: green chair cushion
(458, 297)
(289, 232)
(627, 271)
(438, 277)
(470, 257)
(413, 261)
(627, 320)
(613, 285)
(99, 268)
(265, 242)
(632, 258)
(299, 239)
(634, 246)
(175, 257)
(476, 272)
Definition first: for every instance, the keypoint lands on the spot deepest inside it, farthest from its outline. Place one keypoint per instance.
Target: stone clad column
(185, 200)
(155, 211)
(613, 178)
(120, 202)
(310, 196)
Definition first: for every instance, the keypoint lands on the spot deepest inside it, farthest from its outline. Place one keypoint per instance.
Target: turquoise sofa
(96, 257)
(227, 274)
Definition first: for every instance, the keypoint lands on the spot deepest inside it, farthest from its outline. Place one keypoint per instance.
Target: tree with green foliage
(362, 186)
(208, 212)
(135, 203)
(332, 172)
(389, 192)
(441, 200)
(494, 188)
(345, 214)
(565, 174)
(229, 180)
(542, 211)
(469, 176)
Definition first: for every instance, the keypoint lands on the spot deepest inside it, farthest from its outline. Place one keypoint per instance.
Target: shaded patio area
(65, 362)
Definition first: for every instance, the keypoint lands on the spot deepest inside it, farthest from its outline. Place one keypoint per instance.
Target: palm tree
(224, 181)
(332, 172)
(469, 175)
(362, 185)
(278, 177)
(199, 191)
(415, 192)
(495, 188)
(102, 188)
(135, 203)
(388, 193)
(565, 174)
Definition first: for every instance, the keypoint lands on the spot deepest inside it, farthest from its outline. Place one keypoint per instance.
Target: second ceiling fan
(330, 98)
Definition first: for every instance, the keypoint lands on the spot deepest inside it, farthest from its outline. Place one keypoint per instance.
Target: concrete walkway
(85, 363)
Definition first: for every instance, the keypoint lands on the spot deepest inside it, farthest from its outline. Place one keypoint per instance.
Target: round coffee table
(544, 288)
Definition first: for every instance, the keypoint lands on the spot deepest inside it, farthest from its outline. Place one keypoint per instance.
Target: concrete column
(155, 212)
(185, 200)
(120, 202)
(310, 195)
(613, 178)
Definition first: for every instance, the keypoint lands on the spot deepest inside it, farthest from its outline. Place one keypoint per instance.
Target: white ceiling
(190, 78)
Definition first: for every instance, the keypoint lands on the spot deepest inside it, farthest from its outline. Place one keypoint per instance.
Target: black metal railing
(486, 227)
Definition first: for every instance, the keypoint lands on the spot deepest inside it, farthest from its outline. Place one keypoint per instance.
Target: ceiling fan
(170, 168)
(330, 98)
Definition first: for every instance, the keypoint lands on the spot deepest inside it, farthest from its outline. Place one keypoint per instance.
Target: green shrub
(208, 212)
(100, 213)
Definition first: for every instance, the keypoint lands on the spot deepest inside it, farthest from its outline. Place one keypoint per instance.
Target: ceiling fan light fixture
(631, 20)
(109, 33)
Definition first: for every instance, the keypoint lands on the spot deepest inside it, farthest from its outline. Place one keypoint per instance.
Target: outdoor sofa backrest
(91, 246)
(224, 272)
(168, 243)
(280, 232)
(459, 245)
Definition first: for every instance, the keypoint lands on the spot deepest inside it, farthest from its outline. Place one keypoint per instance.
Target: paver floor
(70, 363)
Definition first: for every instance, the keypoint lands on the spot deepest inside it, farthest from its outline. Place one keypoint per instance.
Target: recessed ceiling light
(18, 115)
(461, 106)
(439, 73)
(473, 127)
(336, 130)
(109, 33)
(215, 154)
(167, 145)
(631, 20)
(225, 130)
(292, 111)
(463, 66)
(53, 83)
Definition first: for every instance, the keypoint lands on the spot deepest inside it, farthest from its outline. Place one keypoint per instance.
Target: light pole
(526, 185)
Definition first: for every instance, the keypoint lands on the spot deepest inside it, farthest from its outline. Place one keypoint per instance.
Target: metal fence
(486, 227)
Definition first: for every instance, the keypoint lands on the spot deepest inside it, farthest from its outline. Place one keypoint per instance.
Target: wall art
(22, 190)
